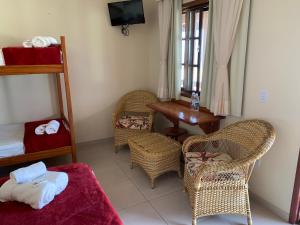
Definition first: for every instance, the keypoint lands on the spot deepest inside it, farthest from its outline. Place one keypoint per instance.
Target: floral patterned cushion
(194, 160)
(137, 121)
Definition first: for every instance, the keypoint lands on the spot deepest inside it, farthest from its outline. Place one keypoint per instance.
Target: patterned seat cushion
(194, 160)
(137, 121)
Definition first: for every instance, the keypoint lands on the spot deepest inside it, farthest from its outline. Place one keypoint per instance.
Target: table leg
(175, 131)
(210, 127)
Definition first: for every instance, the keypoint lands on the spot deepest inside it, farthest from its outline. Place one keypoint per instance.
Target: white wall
(103, 64)
(273, 65)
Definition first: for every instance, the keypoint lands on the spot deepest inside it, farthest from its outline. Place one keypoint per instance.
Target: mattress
(11, 140)
(83, 202)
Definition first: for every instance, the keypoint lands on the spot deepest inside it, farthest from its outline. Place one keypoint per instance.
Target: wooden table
(179, 110)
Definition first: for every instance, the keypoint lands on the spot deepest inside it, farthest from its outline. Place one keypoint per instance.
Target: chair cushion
(194, 160)
(133, 120)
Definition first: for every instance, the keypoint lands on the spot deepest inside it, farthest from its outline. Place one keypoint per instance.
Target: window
(194, 31)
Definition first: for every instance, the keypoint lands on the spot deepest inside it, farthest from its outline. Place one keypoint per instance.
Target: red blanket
(83, 202)
(31, 56)
(35, 143)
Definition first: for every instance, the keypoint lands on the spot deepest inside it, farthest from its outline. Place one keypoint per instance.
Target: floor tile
(141, 214)
(174, 208)
(164, 184)
(109, 176)
(124, 195)
(137, 204)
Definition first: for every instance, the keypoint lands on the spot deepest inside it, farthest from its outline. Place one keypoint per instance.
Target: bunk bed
(64, 141)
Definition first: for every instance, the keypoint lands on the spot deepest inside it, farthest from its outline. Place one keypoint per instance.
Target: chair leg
(152, 183)
(179, 174)
(249, 217)
(117, 147)
(194, 222)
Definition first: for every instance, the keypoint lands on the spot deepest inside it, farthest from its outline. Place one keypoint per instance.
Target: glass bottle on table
(195, 101)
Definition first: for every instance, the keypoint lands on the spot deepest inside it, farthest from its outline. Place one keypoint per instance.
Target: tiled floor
(137, 204)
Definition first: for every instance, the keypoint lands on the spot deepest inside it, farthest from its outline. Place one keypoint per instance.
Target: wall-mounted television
(126, 12)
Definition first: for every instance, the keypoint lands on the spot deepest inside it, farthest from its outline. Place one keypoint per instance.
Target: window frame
(189, 10)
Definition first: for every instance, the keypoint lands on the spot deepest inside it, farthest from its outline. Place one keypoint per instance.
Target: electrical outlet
(263, 96)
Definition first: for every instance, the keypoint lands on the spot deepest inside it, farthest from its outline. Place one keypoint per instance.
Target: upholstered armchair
(132, 116)
(217, 183)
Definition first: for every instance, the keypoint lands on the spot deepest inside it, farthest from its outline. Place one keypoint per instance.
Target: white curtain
(237, 67)
(232, 101)
(169, 15)
(226, 15)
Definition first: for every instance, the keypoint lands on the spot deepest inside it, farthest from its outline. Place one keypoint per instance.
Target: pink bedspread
(82, 203)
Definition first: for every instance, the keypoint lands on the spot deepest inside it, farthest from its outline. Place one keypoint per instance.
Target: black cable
(125, 30)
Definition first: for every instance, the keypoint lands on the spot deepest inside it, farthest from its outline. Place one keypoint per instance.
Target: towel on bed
(37, 193)
(59, 179)
(52, 127)
(40, 130)
(29, 173)
(42, 42)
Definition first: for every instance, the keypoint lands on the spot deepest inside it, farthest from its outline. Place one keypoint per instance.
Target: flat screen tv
(126, 12)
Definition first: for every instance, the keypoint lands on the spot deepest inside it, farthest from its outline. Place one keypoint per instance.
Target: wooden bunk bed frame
(57, 70)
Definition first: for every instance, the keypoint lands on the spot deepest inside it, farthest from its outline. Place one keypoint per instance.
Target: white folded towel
(2, 62)
(37, 193)
(59, 179)
(52, 127)
(29, 173)
(52, 40)
(27, 44)
(40, 130)
(42, 42)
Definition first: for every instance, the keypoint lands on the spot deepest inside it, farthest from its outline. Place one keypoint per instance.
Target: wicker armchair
(134, 101)
(220, 187)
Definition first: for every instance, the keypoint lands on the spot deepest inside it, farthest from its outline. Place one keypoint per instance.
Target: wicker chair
(134, 101)
(220, 187)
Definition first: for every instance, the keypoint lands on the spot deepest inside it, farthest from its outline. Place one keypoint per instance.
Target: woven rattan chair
(220, 187)
(134, 101)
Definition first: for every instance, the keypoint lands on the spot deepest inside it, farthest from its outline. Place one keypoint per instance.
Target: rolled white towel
(27, 44)
(2, 62)
(59, 179)
(40, 130)
(52, 40)
(29, 173)
(42, 42)
(52, 127)
(37, 194)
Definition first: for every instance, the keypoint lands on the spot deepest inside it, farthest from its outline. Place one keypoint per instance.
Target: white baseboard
(98, 141)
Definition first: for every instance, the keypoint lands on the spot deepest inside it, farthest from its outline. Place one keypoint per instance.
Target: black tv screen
(126, 12)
